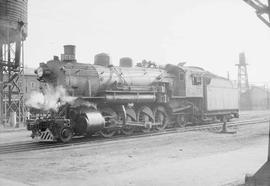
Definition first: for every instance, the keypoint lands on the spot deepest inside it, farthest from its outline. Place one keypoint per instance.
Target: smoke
(51, 98)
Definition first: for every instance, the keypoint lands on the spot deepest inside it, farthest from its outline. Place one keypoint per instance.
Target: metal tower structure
(262, 10)
(13, 31)
(262, 176)
(243, 84)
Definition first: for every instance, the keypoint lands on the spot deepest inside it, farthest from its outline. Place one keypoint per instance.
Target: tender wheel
(65, 134)
(145, 114)
(181, 121)
(110, 118)
(162, 117)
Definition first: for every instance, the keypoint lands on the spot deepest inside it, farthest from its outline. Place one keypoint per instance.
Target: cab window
(181, 76)
(196, 80)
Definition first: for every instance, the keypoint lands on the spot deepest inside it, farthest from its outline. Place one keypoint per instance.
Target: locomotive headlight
(39, 72)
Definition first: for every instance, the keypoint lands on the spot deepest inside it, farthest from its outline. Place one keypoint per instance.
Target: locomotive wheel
(110, 116)
(107, 133)
(127, 129)
(65, 134)
(143, 116)
(162, 117)
(181, 121)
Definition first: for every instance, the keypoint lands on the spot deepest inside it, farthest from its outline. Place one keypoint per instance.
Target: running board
(142, 124)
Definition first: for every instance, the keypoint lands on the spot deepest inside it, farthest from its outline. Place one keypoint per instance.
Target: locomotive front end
(63, 111)
(49, 124)
(50, 129)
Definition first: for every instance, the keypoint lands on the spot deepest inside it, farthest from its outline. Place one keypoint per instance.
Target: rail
(97, 140)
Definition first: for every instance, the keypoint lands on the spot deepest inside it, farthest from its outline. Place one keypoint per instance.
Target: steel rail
(97, 140)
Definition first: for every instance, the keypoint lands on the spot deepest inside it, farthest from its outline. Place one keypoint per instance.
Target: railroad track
(97, 140)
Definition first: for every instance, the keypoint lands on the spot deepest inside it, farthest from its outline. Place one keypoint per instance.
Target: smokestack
(69, 53)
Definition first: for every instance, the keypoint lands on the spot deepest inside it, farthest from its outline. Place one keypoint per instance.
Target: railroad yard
(200, 157)
(141, 94)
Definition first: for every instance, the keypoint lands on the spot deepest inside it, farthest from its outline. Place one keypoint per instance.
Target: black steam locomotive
(111, 99)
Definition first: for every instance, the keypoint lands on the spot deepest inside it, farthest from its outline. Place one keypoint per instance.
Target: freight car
(110, 99)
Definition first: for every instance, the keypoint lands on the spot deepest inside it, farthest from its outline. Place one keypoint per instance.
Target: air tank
(125, 62)
(13, 20)
(102, 59)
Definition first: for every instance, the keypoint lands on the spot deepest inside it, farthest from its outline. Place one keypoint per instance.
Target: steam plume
(52, 98)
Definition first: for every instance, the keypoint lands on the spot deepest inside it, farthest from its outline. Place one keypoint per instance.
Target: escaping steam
(51, 98)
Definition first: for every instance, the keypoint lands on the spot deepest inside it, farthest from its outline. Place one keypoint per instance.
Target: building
(257, 98)
(30, 81)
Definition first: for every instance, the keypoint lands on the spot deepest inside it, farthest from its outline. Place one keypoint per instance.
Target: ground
(191, 158)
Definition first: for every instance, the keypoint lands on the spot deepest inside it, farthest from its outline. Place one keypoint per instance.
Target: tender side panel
(221, 95)
(194, 87)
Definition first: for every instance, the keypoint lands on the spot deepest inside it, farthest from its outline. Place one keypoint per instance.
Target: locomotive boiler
(111, 99)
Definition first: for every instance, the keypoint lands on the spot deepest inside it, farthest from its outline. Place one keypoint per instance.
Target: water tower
(13, 31)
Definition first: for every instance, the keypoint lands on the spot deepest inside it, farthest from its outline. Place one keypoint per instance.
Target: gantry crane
(262, 176)
(262, 10)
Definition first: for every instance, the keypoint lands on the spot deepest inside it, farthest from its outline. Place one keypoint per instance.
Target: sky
(209, 34)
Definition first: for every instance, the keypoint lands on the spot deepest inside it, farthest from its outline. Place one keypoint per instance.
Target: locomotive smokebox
(102, 59)
(69, 53)
(125, 62)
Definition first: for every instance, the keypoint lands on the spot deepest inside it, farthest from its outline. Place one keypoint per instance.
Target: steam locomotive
(111, 99)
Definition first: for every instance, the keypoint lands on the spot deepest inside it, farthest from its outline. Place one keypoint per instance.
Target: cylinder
(90, 122)
(102, 59)
(125, 62)
(95, 122)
